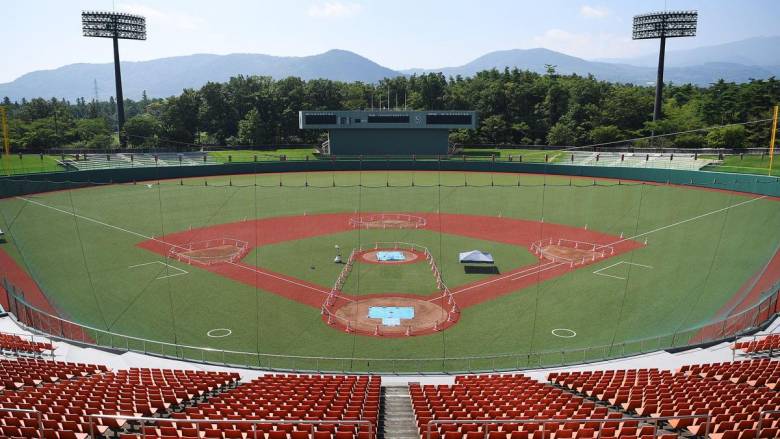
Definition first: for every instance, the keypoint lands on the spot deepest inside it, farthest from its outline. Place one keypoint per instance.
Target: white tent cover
(476, 256)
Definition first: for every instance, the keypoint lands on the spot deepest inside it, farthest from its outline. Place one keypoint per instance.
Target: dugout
(387, 132)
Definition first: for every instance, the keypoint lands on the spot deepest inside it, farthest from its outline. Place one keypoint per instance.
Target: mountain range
(738, 61)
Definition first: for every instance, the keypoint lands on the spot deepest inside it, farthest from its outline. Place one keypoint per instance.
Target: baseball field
(245, 264)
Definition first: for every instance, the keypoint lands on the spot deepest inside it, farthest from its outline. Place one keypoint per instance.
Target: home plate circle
(219, 333)
(564, 333)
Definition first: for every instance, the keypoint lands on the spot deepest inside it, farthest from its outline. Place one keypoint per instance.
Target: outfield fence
(733, 325)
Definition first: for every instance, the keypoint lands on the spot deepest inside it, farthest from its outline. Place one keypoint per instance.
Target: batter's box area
(619, 270)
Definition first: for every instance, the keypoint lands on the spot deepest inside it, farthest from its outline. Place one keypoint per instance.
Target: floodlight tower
(115, 25)
(663, 25)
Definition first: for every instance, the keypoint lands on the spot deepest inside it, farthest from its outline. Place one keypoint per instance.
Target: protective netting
(656, 265)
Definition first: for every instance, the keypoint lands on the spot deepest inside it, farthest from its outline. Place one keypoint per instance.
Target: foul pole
(772, 140)
(7, 143)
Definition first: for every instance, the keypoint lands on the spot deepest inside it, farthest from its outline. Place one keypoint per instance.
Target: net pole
(771, 140)
(7, 145)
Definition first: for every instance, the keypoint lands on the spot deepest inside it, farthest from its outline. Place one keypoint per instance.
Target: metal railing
(771, 351)
(143, 421)
(37, 415)
(543, 423)
(42, 322)
(76, 161)
(761, 419)
(32, 338)
(541, 248)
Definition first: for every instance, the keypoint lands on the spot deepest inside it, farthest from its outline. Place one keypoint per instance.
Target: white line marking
(223, 332)
(181, 272)
(530, 271)
(327, 292)
(623, 240)
(245, 267)
(685, 221)
(548, 265)
(599, 271)
(559, 332)
(638, 265)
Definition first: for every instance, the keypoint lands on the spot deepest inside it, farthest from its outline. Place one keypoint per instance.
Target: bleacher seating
(14, 345)
(512, 397)
(766, 345)
(73, 392)
(733, 407)
(31, 372)
(57, 400)
(281, 400)
(755, 373)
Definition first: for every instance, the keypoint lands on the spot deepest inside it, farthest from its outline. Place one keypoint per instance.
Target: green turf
(748, 164)
(262, 155)
(697, 265)
(526, 155)
(28, 163)
(311, 260)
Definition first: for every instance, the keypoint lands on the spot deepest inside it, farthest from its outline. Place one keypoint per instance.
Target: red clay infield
(267, 231)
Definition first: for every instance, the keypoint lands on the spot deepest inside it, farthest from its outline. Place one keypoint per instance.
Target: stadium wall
(43, 182)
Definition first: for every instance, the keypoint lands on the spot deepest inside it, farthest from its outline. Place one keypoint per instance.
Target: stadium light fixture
(663, 25)
(117, 26)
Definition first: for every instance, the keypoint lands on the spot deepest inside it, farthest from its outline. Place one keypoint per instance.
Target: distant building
(387, 132)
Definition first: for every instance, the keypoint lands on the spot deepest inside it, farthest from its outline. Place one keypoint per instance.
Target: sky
(399, 34)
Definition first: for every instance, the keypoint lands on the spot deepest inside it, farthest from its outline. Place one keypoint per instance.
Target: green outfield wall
(44, 182)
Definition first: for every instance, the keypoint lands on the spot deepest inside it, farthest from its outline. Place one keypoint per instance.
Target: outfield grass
(527, 155)
(28, 163)
(749, 164)
(697, 265)
(240, 155)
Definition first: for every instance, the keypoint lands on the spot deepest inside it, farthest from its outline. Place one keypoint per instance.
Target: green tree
(562, 134)
(605, 134)
(251, 130)
(143, 130)
(727, 137)
(86, 129)
(494, 129)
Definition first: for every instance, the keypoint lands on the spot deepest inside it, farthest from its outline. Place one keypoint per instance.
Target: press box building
(387, 132)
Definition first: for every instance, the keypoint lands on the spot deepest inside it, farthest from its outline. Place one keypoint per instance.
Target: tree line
(514, 107)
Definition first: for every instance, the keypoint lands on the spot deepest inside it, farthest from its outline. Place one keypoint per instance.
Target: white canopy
(476, 256)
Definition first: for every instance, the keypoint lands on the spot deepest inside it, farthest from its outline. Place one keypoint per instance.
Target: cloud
(174, 20)
(587, 45)
(334, 9)
(588, 11)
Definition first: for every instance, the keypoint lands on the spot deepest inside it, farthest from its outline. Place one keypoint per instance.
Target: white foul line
(685, 221)
(599, 271)
(245, 267)
(181, 272)
(614, 243)
(459, 291)
(530, 271)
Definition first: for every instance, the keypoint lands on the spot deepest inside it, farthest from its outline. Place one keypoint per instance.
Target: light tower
(663, 25)
(116, 26)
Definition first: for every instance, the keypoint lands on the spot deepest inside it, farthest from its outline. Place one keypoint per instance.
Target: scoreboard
(387, 132)
(387, 119)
